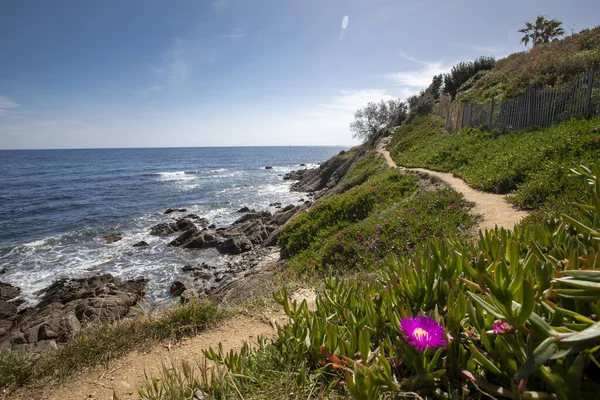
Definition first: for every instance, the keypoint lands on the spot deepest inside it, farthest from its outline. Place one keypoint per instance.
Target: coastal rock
(8, 292)
(243, 210)
(172, 210)
(177, 288)
(141, 243)
(268, 167)
(326, 176)
(248, 217)
(163, 229)
(68, 305)
(235, 245)
(113, 237)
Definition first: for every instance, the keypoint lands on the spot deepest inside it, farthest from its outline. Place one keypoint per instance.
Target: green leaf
(484, 361)
(540, 355)
(528, 304)
(591, 334)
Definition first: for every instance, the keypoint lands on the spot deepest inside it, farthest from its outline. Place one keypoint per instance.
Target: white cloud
(6, 105)
(411, 82)
(220, 5)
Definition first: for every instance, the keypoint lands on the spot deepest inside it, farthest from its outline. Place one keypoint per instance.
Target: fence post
(491, 115)
(588, 105)
(530, 105)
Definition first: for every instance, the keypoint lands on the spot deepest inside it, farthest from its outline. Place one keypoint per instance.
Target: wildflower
(501, 327)
(378, 227)
(423, 333)
(359, 248)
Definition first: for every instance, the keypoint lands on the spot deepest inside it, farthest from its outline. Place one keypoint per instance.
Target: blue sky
(148, 73)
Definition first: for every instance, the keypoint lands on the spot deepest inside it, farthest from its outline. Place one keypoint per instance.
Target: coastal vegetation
(409, 304)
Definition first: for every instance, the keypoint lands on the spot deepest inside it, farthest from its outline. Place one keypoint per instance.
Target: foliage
(544, 30)
(374, 117)
(99, 344)
(463, 71)
(368, 165)
(358, 229)
(531, 164)
(546, 65)
(519, 310)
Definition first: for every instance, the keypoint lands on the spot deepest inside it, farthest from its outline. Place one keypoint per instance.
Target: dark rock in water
(68, 305)
(268, 167)
(243, 210)
(303, 165)
(294, 175)
(8, 292)
(308, 203)
(212, 226)
(197, 220)
(177, 288)
(172, 210)
(248, 217)
(275, 204)
(113, 237)
(184, 237)
(183, 224)
(3, 270)
(163, 229)
(141, 243)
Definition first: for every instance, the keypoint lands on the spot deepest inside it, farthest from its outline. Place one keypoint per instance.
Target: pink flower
(501, 327)
(423, 333)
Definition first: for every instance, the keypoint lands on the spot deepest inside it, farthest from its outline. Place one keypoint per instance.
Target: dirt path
(124, 376)
(493, 208)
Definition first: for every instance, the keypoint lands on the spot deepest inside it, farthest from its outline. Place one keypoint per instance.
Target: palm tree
(543, 31)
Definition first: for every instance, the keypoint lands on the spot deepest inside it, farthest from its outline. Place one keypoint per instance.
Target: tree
(543, 31)
(374, 117)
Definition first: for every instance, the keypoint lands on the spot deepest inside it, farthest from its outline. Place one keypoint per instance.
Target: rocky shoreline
(69, 305)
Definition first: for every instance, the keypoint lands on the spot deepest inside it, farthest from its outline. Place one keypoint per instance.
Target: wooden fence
(537, 107)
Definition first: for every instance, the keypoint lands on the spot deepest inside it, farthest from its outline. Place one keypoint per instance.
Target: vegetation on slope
(533, 165)
(546, 65)
(518, 310)
(357, 229)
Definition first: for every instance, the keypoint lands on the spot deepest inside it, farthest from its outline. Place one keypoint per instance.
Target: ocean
(57, 204)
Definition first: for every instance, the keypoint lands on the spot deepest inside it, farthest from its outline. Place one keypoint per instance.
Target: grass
(100, 344)
(532, 165)
(355, 230)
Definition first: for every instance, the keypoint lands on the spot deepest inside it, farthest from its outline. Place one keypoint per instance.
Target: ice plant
(423, 333)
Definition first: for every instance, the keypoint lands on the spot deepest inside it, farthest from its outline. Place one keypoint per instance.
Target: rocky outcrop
(328, 175)
(173, 210)
(180, 225)
(113, 237)
(250, 230)
(68, 305)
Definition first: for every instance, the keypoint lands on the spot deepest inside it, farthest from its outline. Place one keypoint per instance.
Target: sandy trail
(493, 208)
(125, 375)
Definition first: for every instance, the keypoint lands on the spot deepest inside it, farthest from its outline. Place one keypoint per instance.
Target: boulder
(172, 210)
(113, 237)
(268, 167)
(177, 288)
(163, 229)
(141, 243)
(68, 305)
(243, 210)
(8, 291)
(235, 245)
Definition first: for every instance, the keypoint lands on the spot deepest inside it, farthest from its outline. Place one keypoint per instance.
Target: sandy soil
(494, 209)
(125, 375)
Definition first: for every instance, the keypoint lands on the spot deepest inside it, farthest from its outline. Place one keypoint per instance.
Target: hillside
(545, 65)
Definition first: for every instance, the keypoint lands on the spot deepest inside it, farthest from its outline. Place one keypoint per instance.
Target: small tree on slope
(375, 117)
(543, 31)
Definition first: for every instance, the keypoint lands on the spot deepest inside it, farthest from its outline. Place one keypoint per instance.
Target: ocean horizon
(59, 203)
